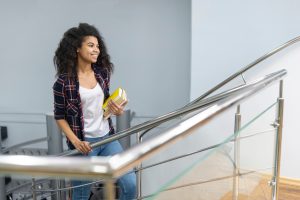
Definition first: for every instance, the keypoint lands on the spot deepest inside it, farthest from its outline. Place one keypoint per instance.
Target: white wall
(149, 43)
(228, 35)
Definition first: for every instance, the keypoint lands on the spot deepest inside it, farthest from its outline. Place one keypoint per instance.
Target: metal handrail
(7, 149)
(157, 121)
(155, 164)
(115, 166)
(240, 72)
(246, 68)
(187, 109)
(203, 150)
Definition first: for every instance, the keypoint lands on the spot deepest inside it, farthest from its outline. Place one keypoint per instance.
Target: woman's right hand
(82, 146)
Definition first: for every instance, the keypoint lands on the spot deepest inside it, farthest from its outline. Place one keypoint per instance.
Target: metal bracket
(275, 124)
(271, 183)
(245, 82)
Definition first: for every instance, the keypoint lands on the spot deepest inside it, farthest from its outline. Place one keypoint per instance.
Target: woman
(83, 68)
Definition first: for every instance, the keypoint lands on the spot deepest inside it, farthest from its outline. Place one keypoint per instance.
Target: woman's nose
(95, 49)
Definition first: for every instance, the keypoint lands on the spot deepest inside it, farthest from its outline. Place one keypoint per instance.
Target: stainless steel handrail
(240, 72)
(246, 68)
(43, 139)
(155, 122)
(203, 103)
(201, 150)
(114, 166)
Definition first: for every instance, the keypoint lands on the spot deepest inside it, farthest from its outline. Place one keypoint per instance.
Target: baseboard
(289, 189)
(289, 181)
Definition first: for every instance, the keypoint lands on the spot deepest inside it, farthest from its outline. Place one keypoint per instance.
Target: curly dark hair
(65, 58)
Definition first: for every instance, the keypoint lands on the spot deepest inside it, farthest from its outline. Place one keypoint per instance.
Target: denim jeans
(126, 183)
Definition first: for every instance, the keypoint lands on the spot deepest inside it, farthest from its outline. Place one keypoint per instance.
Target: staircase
(289, 189)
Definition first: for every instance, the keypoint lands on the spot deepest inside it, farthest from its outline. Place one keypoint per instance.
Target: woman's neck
(83, 68)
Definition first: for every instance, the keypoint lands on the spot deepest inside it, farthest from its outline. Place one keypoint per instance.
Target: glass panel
(257, 150)
(208, 170)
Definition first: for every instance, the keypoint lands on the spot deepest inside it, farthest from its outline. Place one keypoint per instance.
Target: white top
(94, 123)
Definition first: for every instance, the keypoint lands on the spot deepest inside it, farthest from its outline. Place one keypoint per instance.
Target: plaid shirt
(67, 102)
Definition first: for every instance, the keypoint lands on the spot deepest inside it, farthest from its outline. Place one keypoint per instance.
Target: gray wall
(149, 42)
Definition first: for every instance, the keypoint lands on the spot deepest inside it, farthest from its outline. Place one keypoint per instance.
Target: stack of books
(119, 96)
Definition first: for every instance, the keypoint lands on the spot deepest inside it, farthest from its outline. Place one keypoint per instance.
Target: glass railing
(238, 163)
(183, 165)
(238, 78)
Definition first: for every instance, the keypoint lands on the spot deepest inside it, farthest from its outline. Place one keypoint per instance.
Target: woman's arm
(59, 115)
(82, 146)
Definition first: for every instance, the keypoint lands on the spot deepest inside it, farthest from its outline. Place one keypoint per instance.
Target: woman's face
(89, 50)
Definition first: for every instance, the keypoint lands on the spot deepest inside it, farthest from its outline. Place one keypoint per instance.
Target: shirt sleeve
(108, 80)
(59, 99)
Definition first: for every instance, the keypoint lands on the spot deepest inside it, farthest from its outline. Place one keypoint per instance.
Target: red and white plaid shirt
(67, 102)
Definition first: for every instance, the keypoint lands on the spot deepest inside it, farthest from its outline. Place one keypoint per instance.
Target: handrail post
(109, 189)
(123, 123)
(55, 146)
(236, 171)
(2, 178)
(277, 160)
(33, 186)
(139, 172)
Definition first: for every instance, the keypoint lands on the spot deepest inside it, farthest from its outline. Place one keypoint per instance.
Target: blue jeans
(127, 182)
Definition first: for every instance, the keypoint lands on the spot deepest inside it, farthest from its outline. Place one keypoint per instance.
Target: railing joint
(275, 124)
(272, 183)
(245, 82)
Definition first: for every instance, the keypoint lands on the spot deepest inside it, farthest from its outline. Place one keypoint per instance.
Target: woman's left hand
(116, 109)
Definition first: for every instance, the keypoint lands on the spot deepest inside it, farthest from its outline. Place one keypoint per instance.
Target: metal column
(139, 172)
(2, 178)
(55, 146)
(33, 186)
(279, 121)
(236, 171)
(109, 188)
(123, 123)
